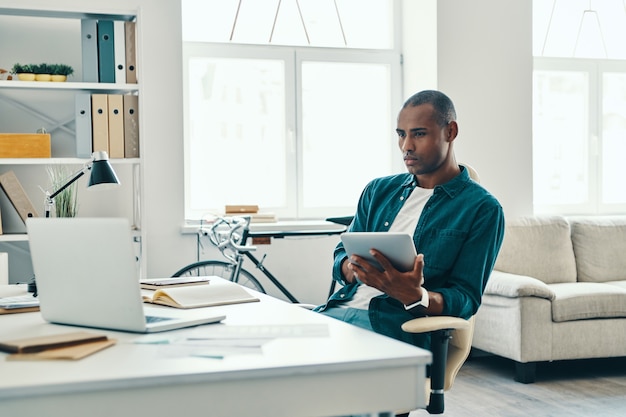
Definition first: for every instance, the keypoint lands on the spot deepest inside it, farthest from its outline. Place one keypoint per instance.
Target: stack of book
(250, 210)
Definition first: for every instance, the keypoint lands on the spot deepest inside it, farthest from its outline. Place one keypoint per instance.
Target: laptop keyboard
(156, 319)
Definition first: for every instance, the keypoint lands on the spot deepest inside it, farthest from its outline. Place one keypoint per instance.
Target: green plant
(66, 203)
(22, 69)
(42, 68)
(61, 69)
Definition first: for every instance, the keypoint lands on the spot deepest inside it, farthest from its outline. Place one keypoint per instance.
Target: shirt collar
(452, 187)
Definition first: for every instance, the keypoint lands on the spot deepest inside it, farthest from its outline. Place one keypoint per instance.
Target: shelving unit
(29, 96)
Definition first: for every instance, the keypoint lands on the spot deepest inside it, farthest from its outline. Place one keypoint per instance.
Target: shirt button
(342, 295)
(386, 224)
(401, 198)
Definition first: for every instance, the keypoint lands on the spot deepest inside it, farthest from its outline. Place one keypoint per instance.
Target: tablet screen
(397, 247)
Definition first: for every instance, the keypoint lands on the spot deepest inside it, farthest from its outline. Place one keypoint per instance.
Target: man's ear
(453, 130)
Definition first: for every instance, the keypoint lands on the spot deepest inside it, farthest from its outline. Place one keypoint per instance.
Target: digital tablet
(397, 247)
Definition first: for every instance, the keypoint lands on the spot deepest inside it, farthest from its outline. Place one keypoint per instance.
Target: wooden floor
(485, 388)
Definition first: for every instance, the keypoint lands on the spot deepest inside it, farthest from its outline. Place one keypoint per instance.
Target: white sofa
(557, 292)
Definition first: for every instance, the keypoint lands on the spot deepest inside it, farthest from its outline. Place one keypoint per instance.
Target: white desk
(350, 371)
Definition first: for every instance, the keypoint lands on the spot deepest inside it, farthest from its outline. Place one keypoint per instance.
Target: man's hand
(405, 287)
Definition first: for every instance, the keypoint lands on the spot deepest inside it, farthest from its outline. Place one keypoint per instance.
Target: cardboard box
(25, 145)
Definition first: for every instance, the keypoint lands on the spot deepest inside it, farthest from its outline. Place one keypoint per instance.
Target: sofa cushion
(539, 247)
(587, 300)
(621, 284)
(600, 247)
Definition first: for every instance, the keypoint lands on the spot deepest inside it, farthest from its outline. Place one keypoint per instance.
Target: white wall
(480, 56)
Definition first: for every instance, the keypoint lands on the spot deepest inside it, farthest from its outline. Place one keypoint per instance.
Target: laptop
(87, 275)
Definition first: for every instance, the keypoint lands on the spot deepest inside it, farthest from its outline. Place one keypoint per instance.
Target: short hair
(443, 106)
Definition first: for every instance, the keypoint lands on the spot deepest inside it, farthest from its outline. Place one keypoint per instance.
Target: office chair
(451, 342)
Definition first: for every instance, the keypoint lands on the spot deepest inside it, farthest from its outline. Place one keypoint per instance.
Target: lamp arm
(72, 180)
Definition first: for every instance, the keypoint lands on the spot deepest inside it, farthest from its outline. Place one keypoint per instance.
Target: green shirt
(460, 232)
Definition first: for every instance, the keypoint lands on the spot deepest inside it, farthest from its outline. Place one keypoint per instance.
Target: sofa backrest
(539, 247)
(600, 247)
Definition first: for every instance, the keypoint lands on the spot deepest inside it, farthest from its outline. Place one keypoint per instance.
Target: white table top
(349, 371)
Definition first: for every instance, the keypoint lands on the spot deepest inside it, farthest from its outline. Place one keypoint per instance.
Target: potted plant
(24, 72)
(42, 72)
(60, 72)
(66, 203)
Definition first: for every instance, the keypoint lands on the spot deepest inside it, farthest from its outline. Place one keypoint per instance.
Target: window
(579, 97)
(297, 125)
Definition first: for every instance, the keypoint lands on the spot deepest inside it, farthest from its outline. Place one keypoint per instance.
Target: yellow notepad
(200, 296)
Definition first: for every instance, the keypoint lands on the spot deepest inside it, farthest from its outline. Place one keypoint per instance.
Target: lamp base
(32, 286)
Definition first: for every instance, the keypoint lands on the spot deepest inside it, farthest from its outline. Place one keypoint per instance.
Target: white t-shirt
(405, 222)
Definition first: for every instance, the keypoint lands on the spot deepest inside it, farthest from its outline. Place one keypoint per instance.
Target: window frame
(293, 58)
(594, 68)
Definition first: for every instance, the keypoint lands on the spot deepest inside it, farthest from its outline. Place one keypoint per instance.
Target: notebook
(87, 275)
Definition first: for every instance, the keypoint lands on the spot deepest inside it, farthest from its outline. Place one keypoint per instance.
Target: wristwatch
(419, 306)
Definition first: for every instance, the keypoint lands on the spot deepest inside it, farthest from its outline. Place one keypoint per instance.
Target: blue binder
(106, 51)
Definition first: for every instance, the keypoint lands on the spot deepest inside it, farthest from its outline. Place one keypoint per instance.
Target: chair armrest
(434, 323)
(514, 286)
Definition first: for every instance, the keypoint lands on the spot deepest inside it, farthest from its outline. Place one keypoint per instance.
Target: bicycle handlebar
(229, 240)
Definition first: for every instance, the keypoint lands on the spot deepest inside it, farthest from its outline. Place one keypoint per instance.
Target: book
(155, 284)
(82, 103)
(131, 52)
(12, 310)
(41, 343)
(240, 209)
(16, 194)
(106, 51)
(131, 126)
(67, 346)
(89, 50)
(200, 296)
(18, 304)
(100, 122)
(74, 352)
(116, 125)
(119, 46)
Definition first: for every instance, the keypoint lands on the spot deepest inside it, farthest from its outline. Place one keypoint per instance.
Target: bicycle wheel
(221, 269)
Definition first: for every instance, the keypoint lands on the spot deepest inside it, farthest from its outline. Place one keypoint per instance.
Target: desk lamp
(102, 175)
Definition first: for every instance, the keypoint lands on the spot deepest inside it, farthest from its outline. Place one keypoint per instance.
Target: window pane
(347, 135)
(613, 138)
(237, 133)
(560, 135)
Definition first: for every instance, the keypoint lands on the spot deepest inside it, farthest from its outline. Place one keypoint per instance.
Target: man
(457, 228)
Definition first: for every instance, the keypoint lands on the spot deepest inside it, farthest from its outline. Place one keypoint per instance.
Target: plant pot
(26, 77)
(58, 78)
(42, 77)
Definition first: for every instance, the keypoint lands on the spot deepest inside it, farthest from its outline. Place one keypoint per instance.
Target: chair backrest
(472, 172)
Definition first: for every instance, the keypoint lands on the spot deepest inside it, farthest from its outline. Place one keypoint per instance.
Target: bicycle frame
(259, 265)
(238, 245)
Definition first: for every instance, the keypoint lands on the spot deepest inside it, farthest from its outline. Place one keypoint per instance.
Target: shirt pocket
(442, 249)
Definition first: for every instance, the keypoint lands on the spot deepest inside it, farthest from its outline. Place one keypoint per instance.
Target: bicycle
(230, 235)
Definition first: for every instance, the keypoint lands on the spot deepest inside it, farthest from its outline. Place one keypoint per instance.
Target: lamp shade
(101, 171)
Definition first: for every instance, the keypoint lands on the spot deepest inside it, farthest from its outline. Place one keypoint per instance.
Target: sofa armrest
(513, 286)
